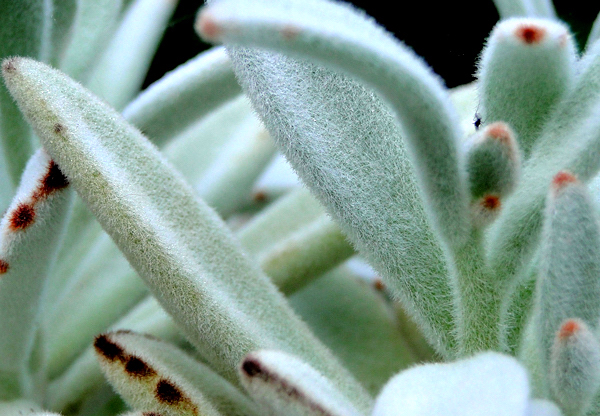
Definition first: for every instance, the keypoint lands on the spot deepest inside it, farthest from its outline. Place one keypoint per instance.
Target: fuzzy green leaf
(529, 8)
(119, 73)
(346, 41)
(525, 69)
(346, 145)
(347, 314)
(30, 235)
(94, 22)
(153, 375)
(287, 385)
(177, 244)
(183, 96)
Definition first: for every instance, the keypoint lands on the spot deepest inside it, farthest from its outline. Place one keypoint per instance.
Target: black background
(448, 34)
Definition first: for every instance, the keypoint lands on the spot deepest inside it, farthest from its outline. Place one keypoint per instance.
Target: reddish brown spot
(22, 217)
(167, 392)
(53, 181)
(9, 65)
(251, 367)
(138, 368)
(490, 202)
(563, 178)
(208, 27)
(568, 329)
(378, 284)
(151, 414)
(499, 131)
(3, 267)
(260, 196)
(290, 32)
(109, 349)
(58, 128)
(530, 34)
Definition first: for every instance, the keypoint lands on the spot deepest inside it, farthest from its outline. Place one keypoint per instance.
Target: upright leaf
(346, 145)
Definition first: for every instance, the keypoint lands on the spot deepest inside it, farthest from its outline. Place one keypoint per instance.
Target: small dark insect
(477, 121)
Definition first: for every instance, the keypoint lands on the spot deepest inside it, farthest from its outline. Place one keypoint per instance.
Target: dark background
(449, 34)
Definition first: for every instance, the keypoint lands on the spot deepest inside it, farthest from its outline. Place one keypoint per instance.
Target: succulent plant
(137, 247)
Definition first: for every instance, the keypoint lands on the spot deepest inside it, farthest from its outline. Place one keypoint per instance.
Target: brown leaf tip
(108, 349)
(260, 196)
(290, 32)
(563, 178)
(569, 328)
(9, 65)
(22, 217)
(251, 367)
(169, 393)
(491, 202)
(53, 181)
(138, 368)
(530, 34)
(379, 285)
(499, 131)
(207, 27)
(3, 266)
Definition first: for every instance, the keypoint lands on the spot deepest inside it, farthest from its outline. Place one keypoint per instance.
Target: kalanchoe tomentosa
(487, 240)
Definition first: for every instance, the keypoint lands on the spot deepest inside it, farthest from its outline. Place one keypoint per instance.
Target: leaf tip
(9, 65)
(490, 202)
(563, 179)
(569, 328)
(207, 27)
(251, 367)
(530, 33)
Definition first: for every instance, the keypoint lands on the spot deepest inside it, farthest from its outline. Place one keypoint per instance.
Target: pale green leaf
(345, 144)
(286, 385)
(184, 95)
(30, 235)
(177, 244)
(119, 73)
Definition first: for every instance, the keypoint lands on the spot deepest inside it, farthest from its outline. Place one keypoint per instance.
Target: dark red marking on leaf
(260, 196)
(58, 128)
(251, 367)
(138, 368)
(290, 32)
(568, 329)
(9, 65)
(530, 34)
(563, 178)
(22, 217)
(109, 349)
(52, 181)
(379, 285)
(490, 202)
(167, 392)
(254, 369)
(3, 266)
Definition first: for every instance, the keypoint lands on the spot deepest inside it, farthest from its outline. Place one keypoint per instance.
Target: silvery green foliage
(136, 248)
